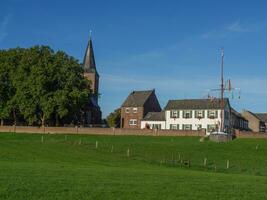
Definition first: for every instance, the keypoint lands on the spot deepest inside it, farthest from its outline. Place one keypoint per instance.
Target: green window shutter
(191, 112)
(183, 127)
(177, 126)
(190, 126)
(203, 113)
(195, 113)
(178, 113)
(216, 114)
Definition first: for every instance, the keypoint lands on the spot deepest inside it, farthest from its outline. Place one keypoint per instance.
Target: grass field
(33, 166)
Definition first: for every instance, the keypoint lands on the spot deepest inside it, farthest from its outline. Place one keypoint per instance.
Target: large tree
(47, 86)
(113, 119)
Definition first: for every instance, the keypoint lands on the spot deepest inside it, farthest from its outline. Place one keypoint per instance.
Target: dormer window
(127, 110)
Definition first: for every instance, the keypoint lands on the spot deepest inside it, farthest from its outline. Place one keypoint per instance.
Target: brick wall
(131, 115)
(250, 134)
(98, 131)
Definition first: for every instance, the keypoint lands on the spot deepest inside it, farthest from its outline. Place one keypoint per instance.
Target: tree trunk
(2, 122)
(14, 117)
(57, 120)
(43, 121)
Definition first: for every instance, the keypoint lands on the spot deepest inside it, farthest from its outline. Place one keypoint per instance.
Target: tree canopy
(113, 119)
(39, 86)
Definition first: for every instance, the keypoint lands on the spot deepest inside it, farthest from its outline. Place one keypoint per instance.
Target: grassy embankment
(130, 167)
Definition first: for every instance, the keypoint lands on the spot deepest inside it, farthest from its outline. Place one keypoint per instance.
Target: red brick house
(136, 106)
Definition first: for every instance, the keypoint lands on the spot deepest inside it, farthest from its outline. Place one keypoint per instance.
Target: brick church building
(93, 112)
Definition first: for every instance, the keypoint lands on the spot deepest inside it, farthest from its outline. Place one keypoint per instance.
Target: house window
(135, 110)
(174, 113)
(127, 110)
(199, 114)
(174, 126)
(212, 114)
(212, 127)
(199, 126)
(187, 127)
(187, 114)
(133, 122)
(156, 126)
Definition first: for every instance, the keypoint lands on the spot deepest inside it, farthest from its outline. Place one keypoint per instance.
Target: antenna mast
(222, 92)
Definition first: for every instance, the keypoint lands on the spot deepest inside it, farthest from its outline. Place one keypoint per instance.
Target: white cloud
(234, 27)
(4, 27)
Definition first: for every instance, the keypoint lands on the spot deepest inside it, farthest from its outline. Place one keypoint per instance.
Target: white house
(154, 120)
(191, 114)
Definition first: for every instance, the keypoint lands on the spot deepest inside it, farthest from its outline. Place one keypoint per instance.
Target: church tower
(90, 71)
(93, 114)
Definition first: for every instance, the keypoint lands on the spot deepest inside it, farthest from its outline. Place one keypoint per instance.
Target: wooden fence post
(227, 164)
(205, 162)
(128, 152)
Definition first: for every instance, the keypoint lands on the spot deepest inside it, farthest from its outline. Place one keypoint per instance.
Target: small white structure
(191, 114)
(154, 120)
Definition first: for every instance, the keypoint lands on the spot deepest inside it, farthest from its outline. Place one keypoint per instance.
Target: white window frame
(200, 114)
(187, 127)
(133, 122)
(174, 126)
(174, 114)
(135, 110)
(189, 112)
(199, 126)
(212, 114)
(211, 127)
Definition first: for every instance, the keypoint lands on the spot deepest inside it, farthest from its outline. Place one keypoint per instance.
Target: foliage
(70, 167)
(113, 119)
(41, 86)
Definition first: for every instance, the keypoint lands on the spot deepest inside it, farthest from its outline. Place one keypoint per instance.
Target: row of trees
(39, 86)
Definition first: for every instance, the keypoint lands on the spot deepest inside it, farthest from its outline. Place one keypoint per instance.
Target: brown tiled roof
(137, 98)
(155, 116)
(262, 116)
(185, 104)
(253, 114)
(233, 111)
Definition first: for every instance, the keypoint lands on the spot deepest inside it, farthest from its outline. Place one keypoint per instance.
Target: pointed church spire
(89, 58)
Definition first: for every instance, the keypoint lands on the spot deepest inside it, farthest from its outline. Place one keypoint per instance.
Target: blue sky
(172, 46)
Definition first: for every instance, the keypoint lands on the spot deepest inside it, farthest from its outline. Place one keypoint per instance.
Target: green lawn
(71, 167)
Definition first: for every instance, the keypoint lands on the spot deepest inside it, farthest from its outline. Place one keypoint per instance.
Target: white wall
(162, 123)
(195, 121)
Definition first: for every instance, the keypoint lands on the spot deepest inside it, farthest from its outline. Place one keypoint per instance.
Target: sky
(170, 46)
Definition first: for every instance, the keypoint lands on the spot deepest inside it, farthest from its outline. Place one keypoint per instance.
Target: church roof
(89, 58)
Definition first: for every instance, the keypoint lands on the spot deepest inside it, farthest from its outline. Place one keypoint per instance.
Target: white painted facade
(209, 119)
(194, 122)
(153, 124)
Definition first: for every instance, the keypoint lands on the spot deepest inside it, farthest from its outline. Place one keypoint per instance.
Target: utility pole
(222, 93)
